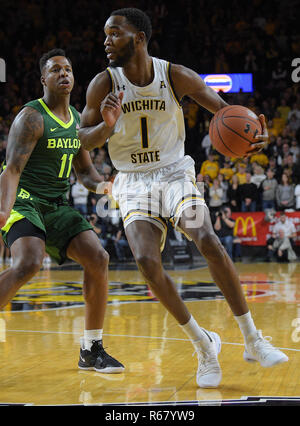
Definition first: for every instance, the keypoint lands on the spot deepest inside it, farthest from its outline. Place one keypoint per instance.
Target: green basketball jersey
(47, 171)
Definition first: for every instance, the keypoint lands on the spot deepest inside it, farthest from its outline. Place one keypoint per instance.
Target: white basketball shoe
(209, 373)
(258, 348)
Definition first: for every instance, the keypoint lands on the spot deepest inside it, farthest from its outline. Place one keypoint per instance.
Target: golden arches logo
(245, 222)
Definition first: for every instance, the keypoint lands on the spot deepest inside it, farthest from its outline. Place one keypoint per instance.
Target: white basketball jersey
(150, 131)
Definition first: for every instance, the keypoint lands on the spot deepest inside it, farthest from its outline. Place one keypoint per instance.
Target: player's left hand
(262, 140)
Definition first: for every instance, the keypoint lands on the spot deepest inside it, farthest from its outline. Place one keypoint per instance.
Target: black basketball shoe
(97, 359)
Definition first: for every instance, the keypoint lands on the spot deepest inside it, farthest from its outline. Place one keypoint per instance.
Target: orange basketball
(233, 129)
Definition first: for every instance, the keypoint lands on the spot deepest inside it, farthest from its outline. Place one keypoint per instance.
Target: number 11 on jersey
(63, 166)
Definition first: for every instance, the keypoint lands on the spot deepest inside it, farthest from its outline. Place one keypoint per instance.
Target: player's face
(58, 75)
(119, 42)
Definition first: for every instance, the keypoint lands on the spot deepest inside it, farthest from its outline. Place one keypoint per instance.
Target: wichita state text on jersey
(150, 131)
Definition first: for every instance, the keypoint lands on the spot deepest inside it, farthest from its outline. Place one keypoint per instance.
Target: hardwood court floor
(39, 342)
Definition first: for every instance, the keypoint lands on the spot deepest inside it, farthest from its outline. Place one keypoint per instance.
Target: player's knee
(25, 269)
(103, 257)
(98, 259)
(149, 266)
(211, 247)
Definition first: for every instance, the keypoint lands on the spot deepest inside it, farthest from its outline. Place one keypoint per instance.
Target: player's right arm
(26, 130)
(100, 114)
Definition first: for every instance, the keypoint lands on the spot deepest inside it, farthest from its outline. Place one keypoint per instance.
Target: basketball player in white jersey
(135, 105)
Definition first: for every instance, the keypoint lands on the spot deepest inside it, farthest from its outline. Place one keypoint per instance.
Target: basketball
(233, 129)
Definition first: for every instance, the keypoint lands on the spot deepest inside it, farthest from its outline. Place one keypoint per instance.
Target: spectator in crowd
(101, 161)
(80, 195)
(233, 194)
(248, 194)
(294, 123)
(285, 197)
(224, 225)
(224, 185)
(258, 175)
(284, 110)
(241, 173)
(260, 158)
(250, 62)
(120, 243)
(268, 191)
(295, 110)
(99, 228)
(277, 170)
(278, 123)
(208, 181)
(204, 186)
(283, 154)
(295, 150)
(206, 144)
(227, 170)
(290, 168)
(279, 75)
(210, 167)
(272, 130)
(215, 196)
(282, 248)
(282, 241)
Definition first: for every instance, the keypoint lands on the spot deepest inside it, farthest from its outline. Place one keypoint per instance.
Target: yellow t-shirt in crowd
(284, 112)
(227, 172)
(260, 158)
(241, 178)
(210, 168)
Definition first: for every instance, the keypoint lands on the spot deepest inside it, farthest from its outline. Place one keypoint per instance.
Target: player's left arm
(87, 173)
(187, 82)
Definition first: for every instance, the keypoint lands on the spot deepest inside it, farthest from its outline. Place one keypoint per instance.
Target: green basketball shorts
(59, 222)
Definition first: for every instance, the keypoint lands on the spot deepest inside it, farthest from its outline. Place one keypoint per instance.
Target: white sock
(91, 335)
(197, 334)
(246, 324)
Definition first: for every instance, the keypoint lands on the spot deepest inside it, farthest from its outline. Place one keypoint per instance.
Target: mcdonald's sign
(246, 229)
(254, 230)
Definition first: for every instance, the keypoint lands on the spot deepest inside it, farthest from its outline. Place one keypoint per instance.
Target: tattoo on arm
(26, 130)
(24, 133)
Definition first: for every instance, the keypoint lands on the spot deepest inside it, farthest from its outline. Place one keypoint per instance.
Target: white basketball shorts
(158, 196)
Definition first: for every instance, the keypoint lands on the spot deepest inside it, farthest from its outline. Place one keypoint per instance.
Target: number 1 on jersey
(63, 165)
(144, 132)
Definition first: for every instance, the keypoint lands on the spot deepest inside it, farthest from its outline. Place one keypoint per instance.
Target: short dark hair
(137, 18)
(51, 54)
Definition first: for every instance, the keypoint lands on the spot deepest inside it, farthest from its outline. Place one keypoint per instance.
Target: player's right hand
(3, 219)
(111, 108)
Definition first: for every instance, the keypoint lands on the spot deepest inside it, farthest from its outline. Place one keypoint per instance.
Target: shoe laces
(207, 362)
(98, 346)
(263, 343)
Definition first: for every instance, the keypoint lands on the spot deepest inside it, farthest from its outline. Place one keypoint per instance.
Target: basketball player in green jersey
(35, 217)
(135, 79)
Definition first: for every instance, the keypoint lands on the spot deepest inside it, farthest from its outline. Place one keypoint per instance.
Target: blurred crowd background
(258, 36)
